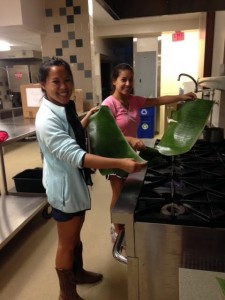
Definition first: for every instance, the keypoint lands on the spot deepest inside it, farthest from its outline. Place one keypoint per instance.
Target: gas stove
(187, 189)
(173, 212)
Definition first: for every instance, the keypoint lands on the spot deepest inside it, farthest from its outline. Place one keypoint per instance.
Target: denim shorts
(61, 216)
(113, 174)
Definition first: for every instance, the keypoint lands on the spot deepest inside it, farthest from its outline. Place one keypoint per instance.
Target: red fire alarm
(178, 36)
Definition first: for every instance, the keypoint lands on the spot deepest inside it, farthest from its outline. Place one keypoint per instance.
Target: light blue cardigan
(65, 187)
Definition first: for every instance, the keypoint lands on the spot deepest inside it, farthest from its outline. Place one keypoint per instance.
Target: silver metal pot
(213, 135)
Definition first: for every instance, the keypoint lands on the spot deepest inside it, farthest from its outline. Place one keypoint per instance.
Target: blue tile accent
(65, 44)
(57, 28)
(48, 12)
(73, 59)
(62, 11)
(71, 35)
(69, 3)
(79, 43)
(80, 66)
(58, 52)
(77, 10)
(70, 19)
(87, 74)
(89, 96)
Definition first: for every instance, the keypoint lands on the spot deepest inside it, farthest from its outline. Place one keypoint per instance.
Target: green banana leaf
(221, 282)
(186, 126)
(149, 153)
(106, 139)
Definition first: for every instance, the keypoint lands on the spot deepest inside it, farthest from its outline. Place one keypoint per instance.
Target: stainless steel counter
(18, 128)
(16, 209)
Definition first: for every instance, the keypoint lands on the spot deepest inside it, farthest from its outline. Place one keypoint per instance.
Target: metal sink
(217, 82)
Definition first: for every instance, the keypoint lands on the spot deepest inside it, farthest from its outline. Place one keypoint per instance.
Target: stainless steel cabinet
(16, 209)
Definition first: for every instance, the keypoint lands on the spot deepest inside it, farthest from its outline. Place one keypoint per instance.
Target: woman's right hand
(135, 143)
(131, 166)
(128, 165)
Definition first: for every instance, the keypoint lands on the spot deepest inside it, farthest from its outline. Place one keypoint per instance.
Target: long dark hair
(46, 66)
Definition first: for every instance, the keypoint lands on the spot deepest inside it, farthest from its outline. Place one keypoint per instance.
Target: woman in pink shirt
(125, 109)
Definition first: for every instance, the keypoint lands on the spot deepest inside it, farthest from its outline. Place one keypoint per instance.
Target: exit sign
(178, 36)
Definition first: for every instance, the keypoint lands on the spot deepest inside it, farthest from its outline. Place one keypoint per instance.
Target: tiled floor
(27, 261)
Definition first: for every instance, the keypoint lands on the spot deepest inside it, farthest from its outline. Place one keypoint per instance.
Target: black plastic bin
(29, 181)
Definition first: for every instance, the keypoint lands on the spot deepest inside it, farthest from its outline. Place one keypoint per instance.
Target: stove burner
(173, 209)
(187, 189)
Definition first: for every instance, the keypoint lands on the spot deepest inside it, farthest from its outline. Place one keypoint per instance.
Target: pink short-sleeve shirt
(126, 119)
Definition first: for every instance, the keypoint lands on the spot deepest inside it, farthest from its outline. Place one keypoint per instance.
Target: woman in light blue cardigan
(66, 172)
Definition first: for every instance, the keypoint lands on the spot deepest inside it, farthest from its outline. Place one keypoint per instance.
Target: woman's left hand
(93, 110)
(85, 119)
(188, 96)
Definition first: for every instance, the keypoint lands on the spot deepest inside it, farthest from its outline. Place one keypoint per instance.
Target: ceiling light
(4, 46)
(90, 7)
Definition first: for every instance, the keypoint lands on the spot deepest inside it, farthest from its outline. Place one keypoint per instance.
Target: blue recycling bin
(146, 126)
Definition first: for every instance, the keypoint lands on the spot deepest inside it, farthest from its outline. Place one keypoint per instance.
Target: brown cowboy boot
(67, 288)
(82, 276)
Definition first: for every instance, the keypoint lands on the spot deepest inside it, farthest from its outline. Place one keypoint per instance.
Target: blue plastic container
(146, 113)
(146, 127)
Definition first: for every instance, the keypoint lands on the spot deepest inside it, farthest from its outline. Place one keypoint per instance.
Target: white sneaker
(113, 233)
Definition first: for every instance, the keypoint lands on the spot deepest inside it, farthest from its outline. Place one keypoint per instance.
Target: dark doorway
(122, 49)
(105, 78)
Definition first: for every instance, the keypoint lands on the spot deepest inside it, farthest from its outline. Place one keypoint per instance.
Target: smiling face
(58, 85)
(123, 84)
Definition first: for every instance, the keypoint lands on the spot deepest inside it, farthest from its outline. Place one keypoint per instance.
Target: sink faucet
(195, 82)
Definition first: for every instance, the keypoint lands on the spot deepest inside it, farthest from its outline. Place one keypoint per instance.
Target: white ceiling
(22, 39)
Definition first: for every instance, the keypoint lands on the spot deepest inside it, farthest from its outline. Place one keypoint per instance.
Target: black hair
(118, 68)
(116, 72)
(46, 66)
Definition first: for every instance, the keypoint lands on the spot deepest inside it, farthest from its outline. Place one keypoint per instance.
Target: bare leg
(116, 185)
(68, 238)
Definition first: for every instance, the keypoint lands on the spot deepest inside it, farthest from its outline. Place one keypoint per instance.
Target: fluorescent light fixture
(4, 46)
(90, 7)
(134, 39)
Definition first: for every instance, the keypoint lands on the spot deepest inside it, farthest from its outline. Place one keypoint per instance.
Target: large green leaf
(106, 139)
(221, 282)
(186, 126)
(149, 153)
